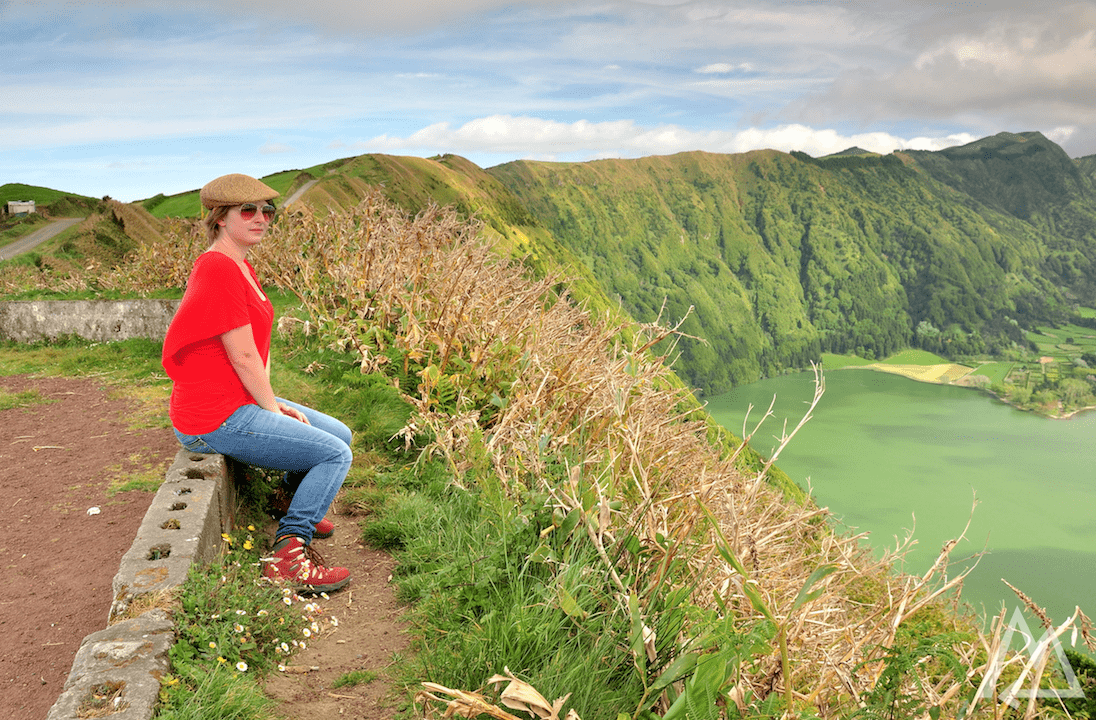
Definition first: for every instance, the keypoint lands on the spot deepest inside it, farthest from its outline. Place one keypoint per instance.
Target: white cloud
(724, 68)
(537, 137)
(1028, 69)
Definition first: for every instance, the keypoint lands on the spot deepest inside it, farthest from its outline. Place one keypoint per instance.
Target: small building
(18, 207)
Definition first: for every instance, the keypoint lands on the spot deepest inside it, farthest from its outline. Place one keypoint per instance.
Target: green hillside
(784, 257)
(40, 195)
(771, 258)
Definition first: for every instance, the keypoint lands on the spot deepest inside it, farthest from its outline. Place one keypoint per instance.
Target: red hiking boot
(324, 529)
(301, 565)
(279, 506)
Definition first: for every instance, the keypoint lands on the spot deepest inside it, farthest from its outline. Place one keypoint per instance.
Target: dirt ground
(368, 634)
(58, 459)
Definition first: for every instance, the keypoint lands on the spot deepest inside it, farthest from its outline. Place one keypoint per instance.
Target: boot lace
(314, 557)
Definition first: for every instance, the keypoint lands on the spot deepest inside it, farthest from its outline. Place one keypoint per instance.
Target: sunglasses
(248, 210)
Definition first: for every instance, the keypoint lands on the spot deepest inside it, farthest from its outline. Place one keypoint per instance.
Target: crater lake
(889, 455)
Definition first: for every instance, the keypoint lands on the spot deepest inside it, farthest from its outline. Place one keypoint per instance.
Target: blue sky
(135, 97)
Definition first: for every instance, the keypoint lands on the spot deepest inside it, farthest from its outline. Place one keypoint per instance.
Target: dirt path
(59, 458)
(368, 634)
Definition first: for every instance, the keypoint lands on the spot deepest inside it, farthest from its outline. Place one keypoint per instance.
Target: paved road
(300, 191)
(37, 237)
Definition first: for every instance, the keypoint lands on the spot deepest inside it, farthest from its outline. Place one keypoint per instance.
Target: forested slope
(784, 256)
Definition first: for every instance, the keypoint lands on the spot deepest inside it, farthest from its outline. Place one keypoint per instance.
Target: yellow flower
(248, 545)
(251, 528)
(227, 538)
(221, 660)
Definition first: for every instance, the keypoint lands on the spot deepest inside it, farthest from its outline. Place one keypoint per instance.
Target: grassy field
(910, 356)
(995, 371)
(188, 204)
(915, 364)
(1064, 342)
(830, 361)
(40, 195)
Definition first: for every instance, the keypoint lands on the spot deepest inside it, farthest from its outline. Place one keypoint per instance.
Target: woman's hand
(293, 413)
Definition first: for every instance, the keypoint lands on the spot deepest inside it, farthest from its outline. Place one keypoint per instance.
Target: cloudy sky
(135, 97)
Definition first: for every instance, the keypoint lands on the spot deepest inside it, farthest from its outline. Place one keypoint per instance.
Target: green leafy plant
(899, 692)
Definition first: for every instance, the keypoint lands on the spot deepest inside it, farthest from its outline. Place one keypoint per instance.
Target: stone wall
(98, 320)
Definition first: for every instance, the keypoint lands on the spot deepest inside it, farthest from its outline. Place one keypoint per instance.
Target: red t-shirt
(218, 298)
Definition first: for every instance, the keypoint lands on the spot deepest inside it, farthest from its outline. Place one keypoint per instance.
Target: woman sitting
(217, 353)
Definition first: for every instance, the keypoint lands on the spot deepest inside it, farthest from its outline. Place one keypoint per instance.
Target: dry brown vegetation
(518, 378)
(521, 388)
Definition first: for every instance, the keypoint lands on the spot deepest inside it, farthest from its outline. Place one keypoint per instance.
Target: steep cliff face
(783, 257)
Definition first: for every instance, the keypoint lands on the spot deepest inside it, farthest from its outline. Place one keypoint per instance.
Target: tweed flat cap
(235, 189)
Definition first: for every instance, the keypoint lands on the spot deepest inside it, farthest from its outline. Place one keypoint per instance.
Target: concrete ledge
(183, 525)
(97, 320)
(124, 661)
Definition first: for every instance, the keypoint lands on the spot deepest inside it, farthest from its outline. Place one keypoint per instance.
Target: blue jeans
(315, 457)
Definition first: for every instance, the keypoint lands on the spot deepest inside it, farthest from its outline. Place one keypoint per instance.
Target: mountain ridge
(773, 258)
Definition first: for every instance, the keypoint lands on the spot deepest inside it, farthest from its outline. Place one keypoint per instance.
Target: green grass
(231, 631)
(284, 180)
(9, 400)
(134, 361)
(189, 204)
(831, 361)
(185, 204)
(911, 356)
(355, 677)
(481, 603)
(995, 371)
(40, 195)
(20, 227)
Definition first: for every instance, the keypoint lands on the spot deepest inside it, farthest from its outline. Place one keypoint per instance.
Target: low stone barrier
(97, 320)
(183, 526)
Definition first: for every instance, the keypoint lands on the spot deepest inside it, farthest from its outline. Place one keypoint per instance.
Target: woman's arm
(253, 373)
(244, 355)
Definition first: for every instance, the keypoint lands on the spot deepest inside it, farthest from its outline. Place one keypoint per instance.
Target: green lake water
(882, 450)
